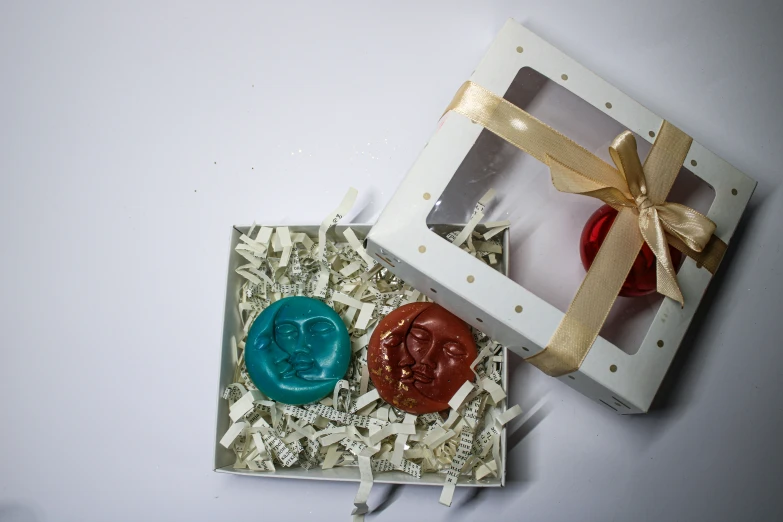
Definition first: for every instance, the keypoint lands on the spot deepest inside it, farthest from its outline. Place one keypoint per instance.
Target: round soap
(419, 356)
(642, 279)
(297, 350)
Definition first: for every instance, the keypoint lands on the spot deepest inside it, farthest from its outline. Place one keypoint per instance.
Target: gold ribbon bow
(637, 192)
(628, 189)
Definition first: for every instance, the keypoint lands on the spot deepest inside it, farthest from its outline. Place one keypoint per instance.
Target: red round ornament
(642, 278)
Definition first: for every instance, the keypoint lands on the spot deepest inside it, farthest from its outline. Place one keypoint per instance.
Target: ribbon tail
(653, 234)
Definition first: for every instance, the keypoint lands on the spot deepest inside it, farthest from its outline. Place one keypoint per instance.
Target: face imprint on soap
(297, 350)
(419, 356)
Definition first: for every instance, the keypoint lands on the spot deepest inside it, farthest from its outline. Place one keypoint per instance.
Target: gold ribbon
(637, 192)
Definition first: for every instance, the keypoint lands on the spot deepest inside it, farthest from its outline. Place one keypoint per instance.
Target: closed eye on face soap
(455, 350)
(286, 329)
(420, 334)
(321, 327)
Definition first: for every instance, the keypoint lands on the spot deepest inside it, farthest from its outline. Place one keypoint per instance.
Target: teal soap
(297, 350)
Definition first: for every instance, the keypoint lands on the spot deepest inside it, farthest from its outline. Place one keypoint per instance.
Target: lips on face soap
(419, 356)
(297, 350)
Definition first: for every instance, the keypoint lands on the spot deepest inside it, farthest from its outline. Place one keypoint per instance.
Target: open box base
(224, 458)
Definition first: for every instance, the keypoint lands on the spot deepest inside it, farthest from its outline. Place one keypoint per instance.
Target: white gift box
(232, 327)
(462, 160)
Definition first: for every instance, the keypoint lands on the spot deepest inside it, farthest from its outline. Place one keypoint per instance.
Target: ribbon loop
(625, 156)
(691, 227)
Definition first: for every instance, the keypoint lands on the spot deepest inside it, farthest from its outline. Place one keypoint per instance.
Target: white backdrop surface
(133, 135)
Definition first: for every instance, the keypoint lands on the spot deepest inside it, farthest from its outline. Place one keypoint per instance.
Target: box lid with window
(545, 145)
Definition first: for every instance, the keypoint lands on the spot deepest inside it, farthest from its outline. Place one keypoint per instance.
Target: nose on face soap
(297, 350)
(419, 356)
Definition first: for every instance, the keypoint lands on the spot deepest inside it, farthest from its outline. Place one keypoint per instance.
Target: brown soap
(419, 356)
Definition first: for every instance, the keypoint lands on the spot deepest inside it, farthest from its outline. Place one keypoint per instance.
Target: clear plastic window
(546, 225)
